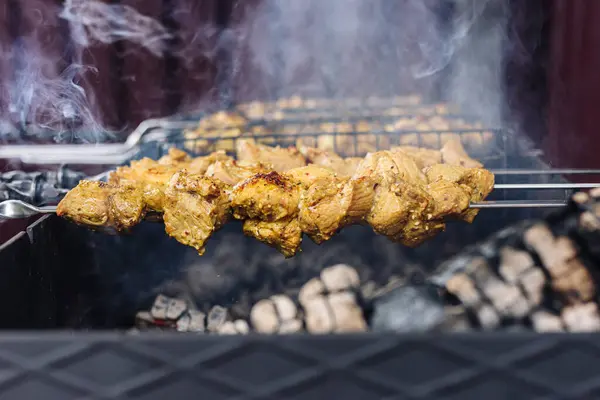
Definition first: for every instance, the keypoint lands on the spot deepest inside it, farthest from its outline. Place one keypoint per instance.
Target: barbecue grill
(61, 276)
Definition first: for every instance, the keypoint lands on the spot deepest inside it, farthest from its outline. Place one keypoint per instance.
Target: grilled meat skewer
(387, 191)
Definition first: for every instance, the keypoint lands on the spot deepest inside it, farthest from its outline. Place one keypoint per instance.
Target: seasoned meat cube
(126, 206)
(449, 199)
(175, 156)
(285, 234)
(199, 165)
(387, 167)
(327, 159)
(306, 176)
(280, 159)
(232, 172)
(323, 209)
(194, 208)
(86, 204)
(98, 204)
(269, 197)
(454, 153)
(479, 180)
(423, 157)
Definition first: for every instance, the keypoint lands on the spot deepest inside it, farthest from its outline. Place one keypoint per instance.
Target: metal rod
(554, 171)
(545, 186)
(519, 204)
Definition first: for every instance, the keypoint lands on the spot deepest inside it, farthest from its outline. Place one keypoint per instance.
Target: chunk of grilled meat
(479, 181)
(454, 153)
(279, 159)
(232, 172)
(423, 157)
(98, 204)
(268, 197)
(284, 235)
(328, 159)
(195, 206)
(152, 176)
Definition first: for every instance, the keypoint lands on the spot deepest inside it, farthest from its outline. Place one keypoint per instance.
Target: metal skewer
(519, 204)
(17, 209)
(545, 186)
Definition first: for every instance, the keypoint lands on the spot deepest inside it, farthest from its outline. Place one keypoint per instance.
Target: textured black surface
(362, 367)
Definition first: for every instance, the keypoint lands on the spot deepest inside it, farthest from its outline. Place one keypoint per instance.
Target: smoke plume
(360, 48)
(45, 96)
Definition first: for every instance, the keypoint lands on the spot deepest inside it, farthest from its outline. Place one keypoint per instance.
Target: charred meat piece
(278, 158)
(86, 203)
(150, 176)
(195, 207)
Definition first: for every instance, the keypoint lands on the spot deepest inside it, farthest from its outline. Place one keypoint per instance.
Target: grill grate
(352, 128)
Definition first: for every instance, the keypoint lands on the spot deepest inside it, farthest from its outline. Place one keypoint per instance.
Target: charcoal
(264, 317)
(396, 310)
(347, 313)
(216, 317)
(227, 328)
(488, 317)
(292, 326)
(175, 309)
(160, 307)
(318, 315)
(340, 277)
(183, 323)
(196, 323)
(544, 321)
(284, 307)
(241, 326)
(581, 318)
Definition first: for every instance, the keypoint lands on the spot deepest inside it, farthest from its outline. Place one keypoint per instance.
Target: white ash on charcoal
(277, 314)
(331, 303)
(585, 226)
(326, 304)
(569, 276)
(178, 315)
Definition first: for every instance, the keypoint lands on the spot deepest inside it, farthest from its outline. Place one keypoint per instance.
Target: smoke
(93, 21)
(46, 96)
(359, 48)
